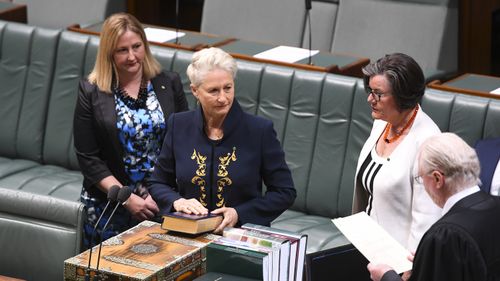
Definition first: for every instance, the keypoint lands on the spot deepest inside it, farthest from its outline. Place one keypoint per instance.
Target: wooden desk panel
(323, 61)
(472, 84)
(13, 12)
(193, 41)
(5, 278)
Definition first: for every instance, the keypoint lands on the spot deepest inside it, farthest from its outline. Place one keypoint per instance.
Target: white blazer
(400, 205)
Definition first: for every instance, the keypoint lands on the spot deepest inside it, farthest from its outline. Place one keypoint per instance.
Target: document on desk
(286, 54)
(496, 91)
(373, 241)
(161, 35)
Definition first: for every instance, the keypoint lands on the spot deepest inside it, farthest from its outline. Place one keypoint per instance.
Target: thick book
(298, 247)
(144, 252)
(273, 267)
(191, 224)
(281, 247)
(237, 261)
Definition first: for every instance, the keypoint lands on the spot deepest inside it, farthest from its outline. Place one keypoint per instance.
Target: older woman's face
(381, 99)
(215, 93)
(129, 53)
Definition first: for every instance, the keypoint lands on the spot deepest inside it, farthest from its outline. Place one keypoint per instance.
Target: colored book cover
(237, 261)
(282, 246)
(273, 254)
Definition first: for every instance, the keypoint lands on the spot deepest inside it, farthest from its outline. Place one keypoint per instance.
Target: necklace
(139, 102)
(398, 134)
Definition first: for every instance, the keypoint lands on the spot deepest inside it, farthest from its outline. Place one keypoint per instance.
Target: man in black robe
(465, 243)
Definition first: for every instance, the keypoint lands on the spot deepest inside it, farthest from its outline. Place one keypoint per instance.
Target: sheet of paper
(496, 91)
(373, 241)
(286, 54)
(161, 35)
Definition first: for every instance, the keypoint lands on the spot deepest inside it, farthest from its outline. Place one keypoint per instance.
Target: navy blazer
(97, 146)
(488, 151)
(221, 173)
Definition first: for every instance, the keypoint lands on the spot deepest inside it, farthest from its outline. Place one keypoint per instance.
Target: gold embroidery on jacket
(225, 180)
(222, 173)
(200, 172)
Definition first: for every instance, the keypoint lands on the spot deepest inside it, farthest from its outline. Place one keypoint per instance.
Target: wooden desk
(472, 84)
(192, 41)
(241, 49)
(323, 61)
(13, 12)
(5, 278)
(145, 252)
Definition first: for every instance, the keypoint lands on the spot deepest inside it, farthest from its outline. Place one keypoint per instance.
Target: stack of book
(258, 252)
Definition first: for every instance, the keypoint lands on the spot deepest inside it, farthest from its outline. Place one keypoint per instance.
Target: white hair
(207, 60)
(452, 156)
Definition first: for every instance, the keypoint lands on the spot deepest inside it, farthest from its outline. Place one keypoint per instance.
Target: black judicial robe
(464, 245)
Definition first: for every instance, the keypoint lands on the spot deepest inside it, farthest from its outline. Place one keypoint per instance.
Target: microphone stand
(177, 22)
(112, 194)
(123, 195)
(308, 18)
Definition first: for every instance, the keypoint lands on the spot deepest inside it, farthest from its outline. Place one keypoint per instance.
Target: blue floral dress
(141, 129)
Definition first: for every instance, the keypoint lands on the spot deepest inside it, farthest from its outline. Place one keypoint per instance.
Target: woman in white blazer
(385, 184)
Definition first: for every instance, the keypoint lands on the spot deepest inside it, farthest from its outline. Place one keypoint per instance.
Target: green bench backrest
(470, 117)
(322, 120)
(27, 57)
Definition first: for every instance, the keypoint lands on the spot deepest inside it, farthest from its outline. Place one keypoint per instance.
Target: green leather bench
(321, 119)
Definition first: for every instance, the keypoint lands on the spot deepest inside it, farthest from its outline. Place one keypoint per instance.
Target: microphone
(123, 195)
(308, 18)
(112, 195)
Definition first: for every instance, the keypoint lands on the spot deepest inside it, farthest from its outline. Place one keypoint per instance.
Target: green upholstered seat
(63, 13)
(278, 22)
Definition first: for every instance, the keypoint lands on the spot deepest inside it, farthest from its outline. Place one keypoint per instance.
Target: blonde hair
(104, 72)
(207, 60)
(452, 156)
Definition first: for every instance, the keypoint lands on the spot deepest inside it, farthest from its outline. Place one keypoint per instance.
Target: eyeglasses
(419, 178)
(375, 94)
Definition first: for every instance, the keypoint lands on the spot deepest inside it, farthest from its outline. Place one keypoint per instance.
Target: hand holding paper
(374, 242)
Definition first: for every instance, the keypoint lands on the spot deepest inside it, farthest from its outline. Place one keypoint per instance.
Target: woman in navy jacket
(216, 157)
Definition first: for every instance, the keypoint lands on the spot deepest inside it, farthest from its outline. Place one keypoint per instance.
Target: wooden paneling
(475, 49)
(162, 12)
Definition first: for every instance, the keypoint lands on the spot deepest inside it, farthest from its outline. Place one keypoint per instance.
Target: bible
(191, 224)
